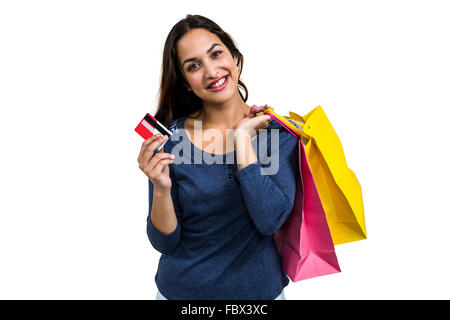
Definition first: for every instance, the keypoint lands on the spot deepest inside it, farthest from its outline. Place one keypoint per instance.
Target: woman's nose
(211, 71)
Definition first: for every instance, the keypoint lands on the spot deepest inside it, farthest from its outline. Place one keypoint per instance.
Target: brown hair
(175, 100)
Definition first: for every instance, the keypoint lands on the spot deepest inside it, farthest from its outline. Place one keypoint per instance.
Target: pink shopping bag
(304, 240)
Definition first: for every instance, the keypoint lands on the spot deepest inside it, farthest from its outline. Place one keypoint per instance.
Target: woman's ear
(237, 64)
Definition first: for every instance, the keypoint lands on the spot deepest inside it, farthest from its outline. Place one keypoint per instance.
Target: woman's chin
(220, 97)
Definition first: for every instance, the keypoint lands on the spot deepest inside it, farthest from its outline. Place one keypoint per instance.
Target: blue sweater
(223, 245)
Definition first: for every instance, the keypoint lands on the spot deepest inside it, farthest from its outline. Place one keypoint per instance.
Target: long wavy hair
(175, 100)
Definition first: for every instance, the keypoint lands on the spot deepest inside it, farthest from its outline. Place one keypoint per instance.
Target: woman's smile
(219, 85)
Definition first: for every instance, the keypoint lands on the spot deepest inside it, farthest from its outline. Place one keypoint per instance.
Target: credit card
(149, 126)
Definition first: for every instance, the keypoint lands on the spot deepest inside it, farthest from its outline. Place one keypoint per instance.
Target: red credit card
(149, 126)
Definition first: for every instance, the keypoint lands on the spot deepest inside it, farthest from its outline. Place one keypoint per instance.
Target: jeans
(159, 296)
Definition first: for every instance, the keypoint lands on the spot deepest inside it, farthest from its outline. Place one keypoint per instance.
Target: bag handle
(295, 116)
(294, 124)
(296, 136)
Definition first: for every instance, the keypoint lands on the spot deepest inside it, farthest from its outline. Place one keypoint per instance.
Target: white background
(77, 76)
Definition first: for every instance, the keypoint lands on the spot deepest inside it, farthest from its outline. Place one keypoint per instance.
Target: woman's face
(203, 59)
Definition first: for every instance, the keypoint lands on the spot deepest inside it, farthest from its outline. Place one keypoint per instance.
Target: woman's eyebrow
(192, 59)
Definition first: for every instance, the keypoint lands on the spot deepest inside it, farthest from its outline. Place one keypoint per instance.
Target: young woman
(214, 222)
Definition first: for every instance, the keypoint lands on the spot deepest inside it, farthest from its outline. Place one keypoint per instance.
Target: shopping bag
(304, 240)
(339, 189)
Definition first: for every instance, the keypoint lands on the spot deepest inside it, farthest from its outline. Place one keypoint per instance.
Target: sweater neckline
(195, 147)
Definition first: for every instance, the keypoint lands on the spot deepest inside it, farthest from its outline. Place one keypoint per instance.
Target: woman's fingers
(254, 110)
(266, 106)
(145, 144)
(265, 120)
(156, 170)
(259, 108)
(148, 149)
(269, 120)
(159, 157)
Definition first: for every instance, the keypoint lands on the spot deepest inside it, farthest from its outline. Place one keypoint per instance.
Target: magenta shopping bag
(304, 240)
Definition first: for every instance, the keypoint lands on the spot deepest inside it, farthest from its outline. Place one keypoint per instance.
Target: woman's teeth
(219, 83)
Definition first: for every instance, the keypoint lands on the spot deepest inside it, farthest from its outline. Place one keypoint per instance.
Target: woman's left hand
(253, 122)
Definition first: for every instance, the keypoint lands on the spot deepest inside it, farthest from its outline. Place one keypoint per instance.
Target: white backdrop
(77, 76)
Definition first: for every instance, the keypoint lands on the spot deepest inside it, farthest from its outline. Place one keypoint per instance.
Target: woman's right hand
(156, 164)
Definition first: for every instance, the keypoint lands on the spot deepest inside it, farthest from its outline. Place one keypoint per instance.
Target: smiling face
(204, 59)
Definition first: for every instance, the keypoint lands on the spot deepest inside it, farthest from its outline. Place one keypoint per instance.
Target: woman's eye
(191, 67)
(215, 55)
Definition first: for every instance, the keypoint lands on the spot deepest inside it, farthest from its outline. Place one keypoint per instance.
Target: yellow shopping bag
(338, 187)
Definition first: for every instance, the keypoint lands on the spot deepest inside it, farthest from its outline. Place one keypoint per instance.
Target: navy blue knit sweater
(223, 246)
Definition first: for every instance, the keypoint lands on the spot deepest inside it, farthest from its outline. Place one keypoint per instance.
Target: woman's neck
(224, 115)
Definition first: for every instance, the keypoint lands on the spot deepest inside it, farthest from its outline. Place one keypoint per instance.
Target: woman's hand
(253, 122)
(156, 165)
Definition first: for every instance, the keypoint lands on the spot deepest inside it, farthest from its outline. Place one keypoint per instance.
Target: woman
(214, 222)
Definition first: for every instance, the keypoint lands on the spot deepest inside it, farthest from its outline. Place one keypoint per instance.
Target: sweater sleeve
(269, 198)
(165, 243)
